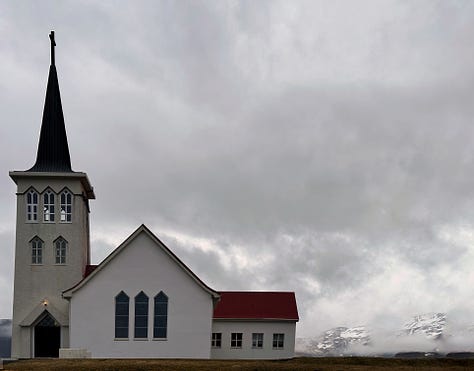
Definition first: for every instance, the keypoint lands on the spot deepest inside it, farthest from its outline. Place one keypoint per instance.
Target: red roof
(256, 305)
(89, 269)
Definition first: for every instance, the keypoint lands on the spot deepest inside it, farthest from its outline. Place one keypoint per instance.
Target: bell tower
(52, 235)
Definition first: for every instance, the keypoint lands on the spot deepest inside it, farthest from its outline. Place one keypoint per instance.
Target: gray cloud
(320, 147)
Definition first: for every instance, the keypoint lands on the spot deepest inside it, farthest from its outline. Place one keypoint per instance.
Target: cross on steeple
(53, 149)
(53, 44)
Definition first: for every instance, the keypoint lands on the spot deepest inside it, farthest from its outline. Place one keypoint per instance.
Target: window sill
(160, 339)
(61, 264)
(36, 264)
(31, 222)
(140, 339)
(61, 222)
(49, 222)
(235, 347)
(257, 347)
(121, 339)
(216, 347)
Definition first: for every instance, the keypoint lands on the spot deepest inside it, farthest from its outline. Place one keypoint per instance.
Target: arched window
(60, 250)
(66, 206)
(32, 206)
(36, 251)
(141, 315)
(48, 206)
(160, 324)
(121, 315)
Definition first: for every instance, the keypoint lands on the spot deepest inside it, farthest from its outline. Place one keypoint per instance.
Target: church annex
(142, 301)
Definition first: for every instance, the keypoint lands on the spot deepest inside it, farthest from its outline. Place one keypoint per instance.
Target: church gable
(142, 291)
(141, 238)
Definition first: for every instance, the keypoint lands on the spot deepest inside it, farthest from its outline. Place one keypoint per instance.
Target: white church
(142, 301)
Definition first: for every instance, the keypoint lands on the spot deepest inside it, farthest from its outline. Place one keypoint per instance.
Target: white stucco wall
(37, 282)
(268, 328)
(142, 266)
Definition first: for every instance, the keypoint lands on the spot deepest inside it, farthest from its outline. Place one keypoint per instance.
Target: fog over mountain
(426, 334)
(321, 147)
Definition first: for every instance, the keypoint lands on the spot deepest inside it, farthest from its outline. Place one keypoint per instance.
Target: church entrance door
(47, 337)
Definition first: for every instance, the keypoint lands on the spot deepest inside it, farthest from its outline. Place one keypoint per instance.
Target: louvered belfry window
(48, 206)
(66, 207)
(32, 206)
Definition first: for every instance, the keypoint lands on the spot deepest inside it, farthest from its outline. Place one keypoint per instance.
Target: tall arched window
(48, 206)
(32, 206)
(141, 315)
(160, 324)
(66, 206)
(121, 315)
(60, 250)
(36, 251)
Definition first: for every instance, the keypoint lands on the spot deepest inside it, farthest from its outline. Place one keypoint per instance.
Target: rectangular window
(278, 341)
(216, 340)
(236, 340)
(257, 340)
(66, 207)
(32, 206)
(48, 206)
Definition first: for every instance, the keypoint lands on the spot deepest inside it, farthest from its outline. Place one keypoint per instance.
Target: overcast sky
(321, 147)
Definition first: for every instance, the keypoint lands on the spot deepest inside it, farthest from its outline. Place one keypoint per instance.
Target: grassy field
(313, 364)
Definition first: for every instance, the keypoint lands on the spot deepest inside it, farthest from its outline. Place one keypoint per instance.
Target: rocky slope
(426, 328)
(430, 325)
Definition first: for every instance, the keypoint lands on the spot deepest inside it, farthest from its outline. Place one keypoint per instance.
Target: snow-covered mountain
(336, 341)
(431, 325)
(422, 332)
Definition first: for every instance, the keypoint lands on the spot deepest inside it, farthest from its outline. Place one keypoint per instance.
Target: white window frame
(216, 340)
(236, 340)
(65, 207)
(160, 316)
(257, 340)
(32, 206)
(142, 316)
(48, 207)
(278, 341)
(36, 251)
(60, 251)
(126, 316)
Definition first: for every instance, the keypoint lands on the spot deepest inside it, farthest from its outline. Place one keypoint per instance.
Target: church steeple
(53, 149)
(52, 248)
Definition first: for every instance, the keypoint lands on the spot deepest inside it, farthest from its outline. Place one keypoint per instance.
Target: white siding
(268, 328)
(142, 266)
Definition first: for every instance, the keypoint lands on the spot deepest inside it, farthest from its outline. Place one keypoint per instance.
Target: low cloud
(321, 148)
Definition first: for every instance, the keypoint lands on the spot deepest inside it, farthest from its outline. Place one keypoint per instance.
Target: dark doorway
(47, 337)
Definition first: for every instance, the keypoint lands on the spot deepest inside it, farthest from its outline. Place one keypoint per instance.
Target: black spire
(53, 150)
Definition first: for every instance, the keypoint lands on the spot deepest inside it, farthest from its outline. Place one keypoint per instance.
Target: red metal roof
(89, 269)
(256, 305)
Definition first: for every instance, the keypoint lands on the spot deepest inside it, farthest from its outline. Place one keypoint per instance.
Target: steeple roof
(53, 149)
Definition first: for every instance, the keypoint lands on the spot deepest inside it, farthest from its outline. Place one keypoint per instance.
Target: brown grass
(313, 364)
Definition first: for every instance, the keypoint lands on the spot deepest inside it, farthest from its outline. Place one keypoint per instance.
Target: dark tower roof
(53, 150)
